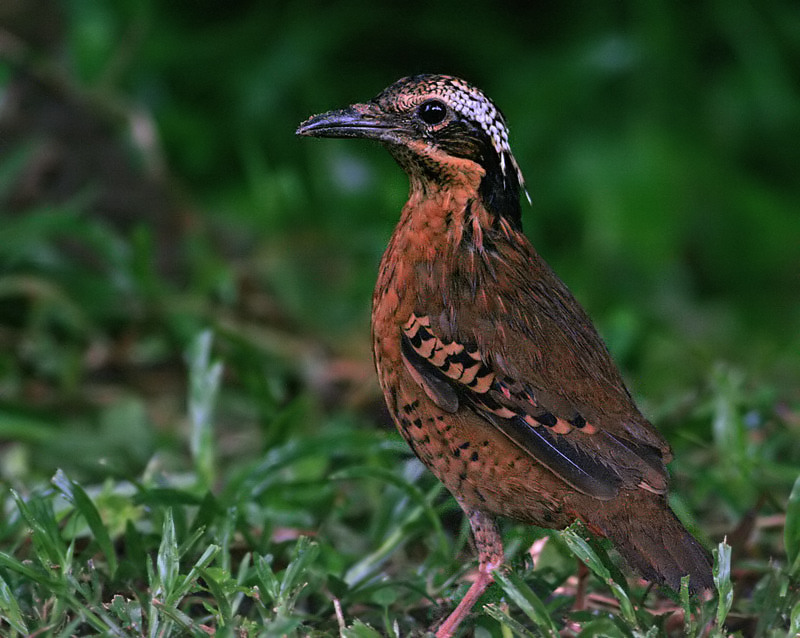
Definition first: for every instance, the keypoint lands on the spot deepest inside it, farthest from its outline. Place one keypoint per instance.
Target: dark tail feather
(654, 542)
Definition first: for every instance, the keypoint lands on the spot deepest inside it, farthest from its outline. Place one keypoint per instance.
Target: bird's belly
(482, 468)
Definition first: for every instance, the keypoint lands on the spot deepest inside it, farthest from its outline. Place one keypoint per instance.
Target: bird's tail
(653, 541)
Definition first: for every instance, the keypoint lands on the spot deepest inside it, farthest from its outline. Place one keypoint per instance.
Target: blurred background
(151, 186)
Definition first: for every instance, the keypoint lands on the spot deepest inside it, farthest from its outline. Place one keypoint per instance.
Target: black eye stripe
(432, 111)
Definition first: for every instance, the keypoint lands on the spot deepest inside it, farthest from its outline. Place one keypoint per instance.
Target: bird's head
(439, 128)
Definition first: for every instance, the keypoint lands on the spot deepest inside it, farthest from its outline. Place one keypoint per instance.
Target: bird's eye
(432, 112)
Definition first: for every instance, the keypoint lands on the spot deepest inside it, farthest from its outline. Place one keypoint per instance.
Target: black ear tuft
(499, 191)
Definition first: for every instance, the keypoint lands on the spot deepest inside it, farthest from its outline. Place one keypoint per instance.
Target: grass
(192, 441)
(319, 538)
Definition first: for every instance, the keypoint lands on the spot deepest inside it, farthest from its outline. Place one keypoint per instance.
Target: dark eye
(432, 111)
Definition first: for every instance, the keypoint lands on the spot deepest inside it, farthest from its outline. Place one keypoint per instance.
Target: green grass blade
(390, 477)
(363, 568)
(689, 622)
(30, 573)
(185, 585)
(48, 544)
(295, 577)
(10, 611)
(182, 620)
(19, 427)
(219, 593)
(507, 622)
(267, 579)
(791, 530)
(722, 580)
(360, 630)
(794, 620)
(136, 557)
(167, 560)
(76, 495)
(527, 600)
(204, 383)
(584, 551)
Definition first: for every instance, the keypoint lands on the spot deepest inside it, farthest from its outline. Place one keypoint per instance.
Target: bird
(492, 371)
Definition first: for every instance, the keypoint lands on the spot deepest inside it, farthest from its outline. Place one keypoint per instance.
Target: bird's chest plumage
(431, 272)
(410, 274)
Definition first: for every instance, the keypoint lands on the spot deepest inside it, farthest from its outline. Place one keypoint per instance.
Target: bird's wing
(537, 393)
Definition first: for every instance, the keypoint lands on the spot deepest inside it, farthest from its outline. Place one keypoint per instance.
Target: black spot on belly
(546, 418)
(578, 421)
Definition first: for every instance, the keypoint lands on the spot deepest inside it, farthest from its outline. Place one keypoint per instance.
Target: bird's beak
(358, 120)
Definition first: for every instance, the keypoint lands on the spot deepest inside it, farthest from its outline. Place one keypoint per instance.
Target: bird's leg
(490, 556)
(580, 588)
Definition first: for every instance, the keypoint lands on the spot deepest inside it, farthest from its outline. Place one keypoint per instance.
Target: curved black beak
(359, 120)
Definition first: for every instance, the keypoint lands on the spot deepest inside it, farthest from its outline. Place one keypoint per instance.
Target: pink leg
(490, 557)
(580, 590)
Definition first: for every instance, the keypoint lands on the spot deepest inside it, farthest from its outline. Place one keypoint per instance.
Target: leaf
(584, 551)
(527, 600)
(507, 621)
(392, 478)
(189, 582)
(135, 554)
(167, 560)
(215, 584)
(689, 622)
(602, 627)
(9, 609)
(791, 530)
(794, 622)
(166, 497)
(204, 384)
(47, 541)
(722, 580)
(30, 573)
(296, 575)
(76, 495)
(360, 630)
(17, 426)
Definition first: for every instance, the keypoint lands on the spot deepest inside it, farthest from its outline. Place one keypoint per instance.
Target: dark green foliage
(191, 440)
